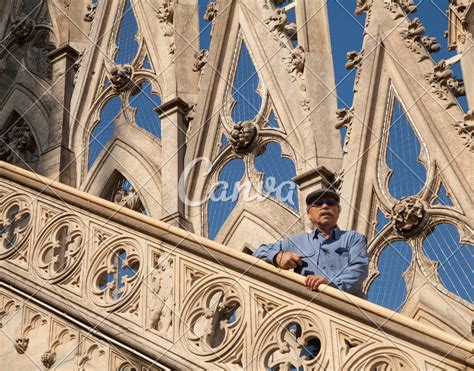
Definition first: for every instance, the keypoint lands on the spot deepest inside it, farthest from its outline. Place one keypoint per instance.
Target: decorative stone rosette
(59, 247)
(15, 224)
(212, 320)
(408, 216)
(114, 276)
(289, 339)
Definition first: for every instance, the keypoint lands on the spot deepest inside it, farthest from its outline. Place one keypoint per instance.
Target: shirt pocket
(340, 259)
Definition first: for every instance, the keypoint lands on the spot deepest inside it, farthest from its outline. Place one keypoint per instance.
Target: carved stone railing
(172, 298)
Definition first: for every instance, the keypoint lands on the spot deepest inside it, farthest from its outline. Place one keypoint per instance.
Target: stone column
(173, 139)
(58, 162)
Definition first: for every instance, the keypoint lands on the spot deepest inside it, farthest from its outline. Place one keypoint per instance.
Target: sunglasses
(329, 202)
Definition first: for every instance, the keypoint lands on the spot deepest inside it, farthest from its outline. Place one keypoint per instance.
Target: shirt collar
(335, 233)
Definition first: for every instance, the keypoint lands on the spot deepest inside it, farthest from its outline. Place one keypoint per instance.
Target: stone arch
(139, 170)
(379, 357)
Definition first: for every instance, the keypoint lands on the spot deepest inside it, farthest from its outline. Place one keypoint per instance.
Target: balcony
(86, 284)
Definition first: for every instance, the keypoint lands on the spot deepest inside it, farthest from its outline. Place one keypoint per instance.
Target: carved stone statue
(354, 58)
(18, 146)
(162, 301)
(211, 11)
(408, 215)
(120, 76)
(243, 136)
(200, 60)
(22, 30)
(128, 199)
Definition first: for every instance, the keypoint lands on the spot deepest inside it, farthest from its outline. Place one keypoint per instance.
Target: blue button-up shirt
(342, 258)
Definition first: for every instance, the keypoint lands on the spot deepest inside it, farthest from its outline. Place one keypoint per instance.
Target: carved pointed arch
(145, 177)
(28, 106)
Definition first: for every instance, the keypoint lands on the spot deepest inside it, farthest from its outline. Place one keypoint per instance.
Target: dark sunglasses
(329, 202)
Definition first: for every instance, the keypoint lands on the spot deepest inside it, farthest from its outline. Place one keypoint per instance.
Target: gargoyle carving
(48, 358)
(211, 12)
(295, 62)
(408, 216)
(90, 12)
(165, 14)
(243, 136)
(121, 76)
(361, 7)
(200, 60)
(21, 344)
(444, 85)
(344, 119)
(354, 58)
(278, 25)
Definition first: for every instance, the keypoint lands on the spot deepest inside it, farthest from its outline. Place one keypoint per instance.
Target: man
(326, 255)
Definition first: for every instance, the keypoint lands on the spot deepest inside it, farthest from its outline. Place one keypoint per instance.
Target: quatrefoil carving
(60, 247)
(15, 226)
(115, 273)
(213, 319)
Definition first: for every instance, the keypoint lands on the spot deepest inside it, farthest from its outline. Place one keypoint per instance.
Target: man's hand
(313, 282)
(287, 260)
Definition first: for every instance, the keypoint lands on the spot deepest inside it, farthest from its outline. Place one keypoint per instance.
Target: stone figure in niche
(161, 302)
(408, 216)
(327, 254)
(211, 12)
(200, 60)
(120, 76)
(243, 136)
(128, 198)
(37, 59)
(18, 146)
(22, 30)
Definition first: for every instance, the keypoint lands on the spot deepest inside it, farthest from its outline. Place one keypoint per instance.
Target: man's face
(322, 215)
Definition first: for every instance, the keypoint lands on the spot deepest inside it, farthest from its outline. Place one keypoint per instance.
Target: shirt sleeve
(352, 276)
(268, 252)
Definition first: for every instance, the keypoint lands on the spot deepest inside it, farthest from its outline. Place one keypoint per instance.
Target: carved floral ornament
(59, 247)
(115, 273)
(400, 8)
(165, 14)
(409, 216)
(211, 11)
(444, 85)
(279, 26)
(362, 6)
(15, 224)
(416, 42)
(344, 118)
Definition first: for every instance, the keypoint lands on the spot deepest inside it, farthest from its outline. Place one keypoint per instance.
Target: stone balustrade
(95, 282)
